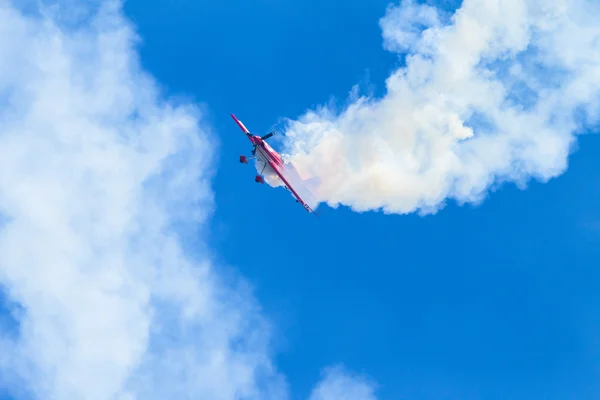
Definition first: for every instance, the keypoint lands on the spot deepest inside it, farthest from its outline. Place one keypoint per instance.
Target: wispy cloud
(340, 384)
(495, 92)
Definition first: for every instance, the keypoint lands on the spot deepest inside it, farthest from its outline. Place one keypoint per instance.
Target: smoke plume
(495, 92)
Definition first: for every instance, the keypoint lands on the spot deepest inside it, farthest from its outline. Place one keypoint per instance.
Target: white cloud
(339, 384)
(403, 26)
(94, 170)
(98, 175)
(496, 92)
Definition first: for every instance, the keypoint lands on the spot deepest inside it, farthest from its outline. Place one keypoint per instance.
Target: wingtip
(240, 124)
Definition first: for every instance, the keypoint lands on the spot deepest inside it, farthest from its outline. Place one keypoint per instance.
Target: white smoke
(495, 92)
(98, 173)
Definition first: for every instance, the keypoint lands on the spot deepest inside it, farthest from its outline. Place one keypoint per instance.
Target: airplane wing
(296, 185)
(241, 125)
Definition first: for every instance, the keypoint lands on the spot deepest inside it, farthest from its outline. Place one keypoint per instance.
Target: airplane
(274, 167)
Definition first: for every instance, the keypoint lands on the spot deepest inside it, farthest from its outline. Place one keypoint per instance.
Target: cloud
(101, 179)
(95, 172)
(496, 92)
(339, 384)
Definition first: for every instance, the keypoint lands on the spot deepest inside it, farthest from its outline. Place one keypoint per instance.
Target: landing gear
(259, 178)
(243, 160)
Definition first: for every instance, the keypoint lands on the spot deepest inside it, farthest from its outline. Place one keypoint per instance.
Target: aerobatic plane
(271, 167)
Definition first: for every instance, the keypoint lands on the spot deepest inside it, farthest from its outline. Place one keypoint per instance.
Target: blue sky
(497, 300)
(493, 301)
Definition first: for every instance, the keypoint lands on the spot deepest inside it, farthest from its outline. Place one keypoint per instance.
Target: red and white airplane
(278, 172)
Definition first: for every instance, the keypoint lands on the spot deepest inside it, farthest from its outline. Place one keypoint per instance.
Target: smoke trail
(495, 92)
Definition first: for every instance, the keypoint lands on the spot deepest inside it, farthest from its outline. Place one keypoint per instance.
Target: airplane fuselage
(264, 152)
(265, 155)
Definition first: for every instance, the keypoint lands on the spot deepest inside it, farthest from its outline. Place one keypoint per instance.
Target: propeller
(268, 135)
